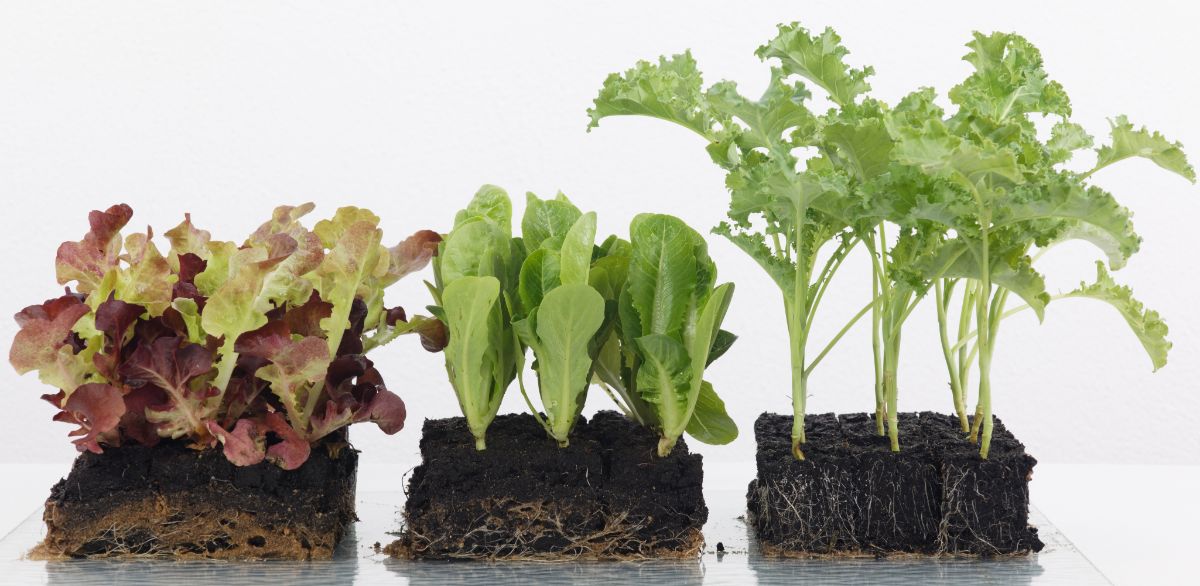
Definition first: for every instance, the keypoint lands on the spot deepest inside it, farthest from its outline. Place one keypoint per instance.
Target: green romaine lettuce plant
(640, 318)
(668, 330)
(562, 312)
(216, 342)
(476, 274)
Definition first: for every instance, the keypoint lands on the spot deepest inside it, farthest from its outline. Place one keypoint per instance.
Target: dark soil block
(606, 496)
(853, 496)
(173, 501)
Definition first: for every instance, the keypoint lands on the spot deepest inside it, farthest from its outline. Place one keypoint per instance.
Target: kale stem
(833, 341)
(798, 337)
(822, 282)
(876, 335)
(984, 327)
(964, 326)
(891, 357)
(960, 407)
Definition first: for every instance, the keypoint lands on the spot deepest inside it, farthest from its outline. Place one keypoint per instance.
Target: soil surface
(853, 496)
(605, 496)
(173, 501)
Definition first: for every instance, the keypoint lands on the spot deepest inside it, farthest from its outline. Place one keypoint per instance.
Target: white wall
(226, 109)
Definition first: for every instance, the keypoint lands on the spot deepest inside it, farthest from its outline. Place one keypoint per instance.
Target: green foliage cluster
(960, 202)
(640, 316)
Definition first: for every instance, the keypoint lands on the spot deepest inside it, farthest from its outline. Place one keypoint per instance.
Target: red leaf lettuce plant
(260, 347)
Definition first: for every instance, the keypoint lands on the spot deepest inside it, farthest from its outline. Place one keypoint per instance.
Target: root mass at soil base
(605, 496)
(172, 501)
(853, 496)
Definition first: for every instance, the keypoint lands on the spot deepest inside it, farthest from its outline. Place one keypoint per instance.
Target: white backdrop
(227, 109)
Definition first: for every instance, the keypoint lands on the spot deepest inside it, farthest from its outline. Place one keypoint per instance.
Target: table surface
(1102, 509)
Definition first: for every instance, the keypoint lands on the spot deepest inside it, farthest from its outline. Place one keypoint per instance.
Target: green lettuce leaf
(469, 304)
(710, 423)
(546, 221)
(562, 330)
(662, 272)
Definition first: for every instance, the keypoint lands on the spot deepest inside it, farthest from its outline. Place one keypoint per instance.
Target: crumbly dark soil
(853, 496)
(172, 501)
(606, 496)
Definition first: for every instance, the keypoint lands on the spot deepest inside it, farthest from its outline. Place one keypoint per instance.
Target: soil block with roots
(852, 495)
(605, 496)
(173, 501)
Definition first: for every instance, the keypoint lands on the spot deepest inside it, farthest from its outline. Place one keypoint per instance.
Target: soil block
(172, 501)
(605, 496)
(852, 495)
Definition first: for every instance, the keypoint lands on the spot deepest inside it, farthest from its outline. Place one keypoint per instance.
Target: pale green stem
(876, 350)
(619, 401)
(833, 341)
(967, 337)
(824, 279)
(984, 328)
(798, 334)
(964, 326)
(227, 364)
(891, 357)
(960, 406)
(536, 415)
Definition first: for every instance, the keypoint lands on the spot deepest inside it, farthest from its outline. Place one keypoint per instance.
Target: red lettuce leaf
(134, 424)
(96, 408)
(265, 341)
(114, 318)
(377, 404)
(352, 342)
(244, 444)
(245, 392)
(45, 330)
(88, 260)
(305, 320)
(248, 444)
(190, 265)
(291, 450)
(433, 333)
(356, 393)
(412, 254)
(181, 372)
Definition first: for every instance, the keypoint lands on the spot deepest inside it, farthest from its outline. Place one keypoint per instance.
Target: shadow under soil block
(173, 501)
(853, 496)
(606, 496)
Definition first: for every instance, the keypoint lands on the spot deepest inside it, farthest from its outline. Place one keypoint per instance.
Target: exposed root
(827, 512)
(181, 527)
(503, 529)
(967, 527)
(805, 513)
